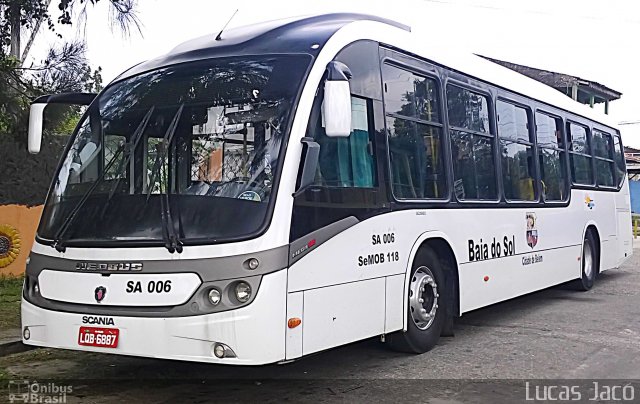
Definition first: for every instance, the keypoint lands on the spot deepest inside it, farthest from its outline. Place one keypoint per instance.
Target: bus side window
(516, 149)
(471, 145)
(603, 156)
(551, 154)
(618, 155)
(347, 162)
(414, 131)
(580, 154)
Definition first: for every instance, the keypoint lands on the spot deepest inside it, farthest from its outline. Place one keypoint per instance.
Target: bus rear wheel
(590, 262)
(426, 312)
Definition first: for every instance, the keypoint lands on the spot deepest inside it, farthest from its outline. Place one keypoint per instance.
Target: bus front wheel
(427, 306)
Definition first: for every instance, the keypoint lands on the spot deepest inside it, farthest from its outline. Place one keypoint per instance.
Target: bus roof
(308, 34)
(304, 34)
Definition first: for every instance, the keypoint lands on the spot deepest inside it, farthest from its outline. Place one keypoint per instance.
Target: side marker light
(294, 322)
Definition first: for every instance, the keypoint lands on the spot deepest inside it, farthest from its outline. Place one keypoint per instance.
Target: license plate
(100, 337)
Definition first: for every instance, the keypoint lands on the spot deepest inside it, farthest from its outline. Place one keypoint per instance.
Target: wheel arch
(441, 244)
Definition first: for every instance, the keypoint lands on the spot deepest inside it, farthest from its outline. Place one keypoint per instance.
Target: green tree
(19, 15)
(25, 178)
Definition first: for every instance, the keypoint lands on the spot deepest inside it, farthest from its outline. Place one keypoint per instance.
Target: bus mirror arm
(310, 155)
(36, 114)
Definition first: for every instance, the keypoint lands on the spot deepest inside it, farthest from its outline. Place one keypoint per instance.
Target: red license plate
(100, 337)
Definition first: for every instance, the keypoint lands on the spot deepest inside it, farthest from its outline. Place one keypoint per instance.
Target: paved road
(556, 333)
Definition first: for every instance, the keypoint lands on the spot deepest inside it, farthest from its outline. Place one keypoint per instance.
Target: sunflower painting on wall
(9, 244)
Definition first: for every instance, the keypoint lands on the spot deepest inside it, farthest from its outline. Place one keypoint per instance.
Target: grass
(10, 293)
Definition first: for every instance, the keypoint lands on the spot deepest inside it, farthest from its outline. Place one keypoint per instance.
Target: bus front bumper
(255, 333)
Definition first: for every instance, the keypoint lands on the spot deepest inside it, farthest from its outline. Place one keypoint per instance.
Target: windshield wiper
(172, 241)
(57, 239)
(135, 139)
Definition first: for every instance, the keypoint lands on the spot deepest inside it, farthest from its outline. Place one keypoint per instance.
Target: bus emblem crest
(100, 293)
(532, 232)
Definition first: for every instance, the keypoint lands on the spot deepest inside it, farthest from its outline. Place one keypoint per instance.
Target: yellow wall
(25, 220)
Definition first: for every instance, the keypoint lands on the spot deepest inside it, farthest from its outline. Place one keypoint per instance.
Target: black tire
(423, 331)
(590, 263)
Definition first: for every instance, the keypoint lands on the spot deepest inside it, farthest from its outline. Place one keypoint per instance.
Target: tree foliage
(63, 69)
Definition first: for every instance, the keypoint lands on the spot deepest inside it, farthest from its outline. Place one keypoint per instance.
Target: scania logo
(97, 320)
(100, 293)
(109, 266)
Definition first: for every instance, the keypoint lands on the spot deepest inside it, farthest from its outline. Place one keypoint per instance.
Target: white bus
(293, 186)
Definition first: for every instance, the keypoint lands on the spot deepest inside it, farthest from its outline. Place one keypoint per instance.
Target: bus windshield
(192, 149)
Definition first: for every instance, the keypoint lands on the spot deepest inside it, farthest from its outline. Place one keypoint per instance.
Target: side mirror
(336, 107)
(36, 114)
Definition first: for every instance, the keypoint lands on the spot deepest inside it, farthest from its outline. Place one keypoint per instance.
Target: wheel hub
(423, 298)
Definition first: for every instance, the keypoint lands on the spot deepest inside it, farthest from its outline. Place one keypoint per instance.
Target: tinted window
(415, 135)
(417, 165)
(512, 122)
(467, 110)
(347, 161)
(517, 171)
(603, 154)
(208, 135)
(618, 155)
(581, 169)
(473, 166)
(548, 131)
(578, 139)
(516, 152)
(112, 143)
(552, 174)
(471, 145)
(410, 95)
(363, 60)
(345, 184)
(551, 157)
(604, 173)
(602, 146)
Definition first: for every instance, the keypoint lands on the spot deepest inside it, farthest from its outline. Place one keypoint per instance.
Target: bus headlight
(215, 296)
(243, 291)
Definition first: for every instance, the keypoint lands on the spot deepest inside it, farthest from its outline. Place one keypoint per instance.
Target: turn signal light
(294, 322)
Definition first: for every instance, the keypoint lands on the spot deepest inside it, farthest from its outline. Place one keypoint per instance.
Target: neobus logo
(111, 266)
(306, 247)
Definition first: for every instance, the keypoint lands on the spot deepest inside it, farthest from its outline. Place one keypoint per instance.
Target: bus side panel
(517, 250)
(495, 280)
(337, 315)
(624, 229)
(374, 248)
(295, 307)
(394, 310)
(356, 277)
(603, 213)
